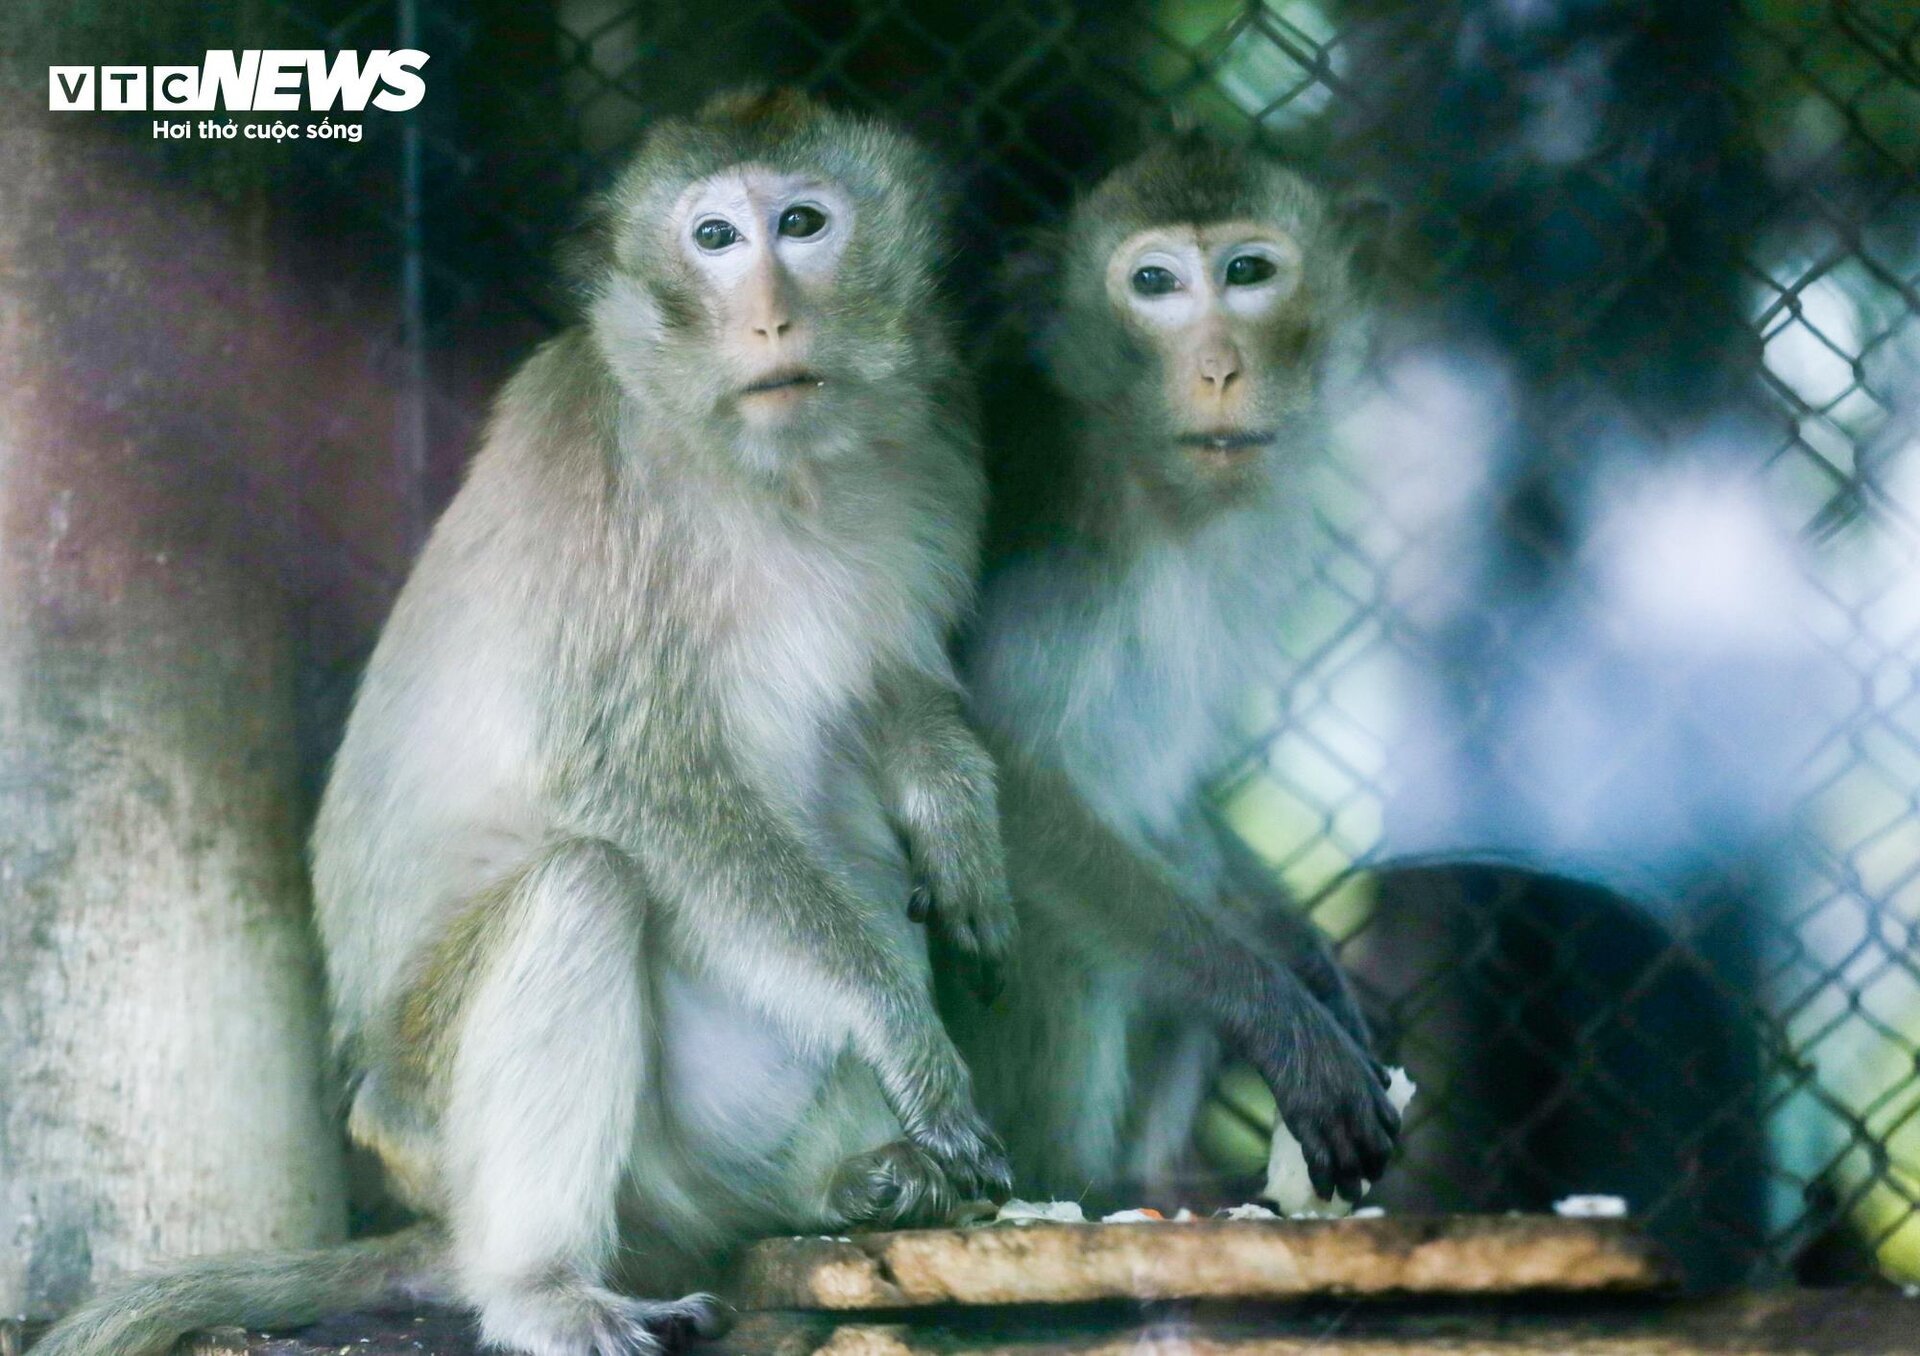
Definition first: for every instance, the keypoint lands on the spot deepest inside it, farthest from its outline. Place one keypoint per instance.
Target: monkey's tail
(146, 1315)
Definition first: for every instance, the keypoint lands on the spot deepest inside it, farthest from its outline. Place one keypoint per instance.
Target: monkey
(1152, 462)
(612, 867)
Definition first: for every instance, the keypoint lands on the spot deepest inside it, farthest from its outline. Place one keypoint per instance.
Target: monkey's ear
(1365, 223)
(750, 105)
(585, 255)
(1027, 288)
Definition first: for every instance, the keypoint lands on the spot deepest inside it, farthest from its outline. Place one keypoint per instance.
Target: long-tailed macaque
(613, 869)
(1152, 512)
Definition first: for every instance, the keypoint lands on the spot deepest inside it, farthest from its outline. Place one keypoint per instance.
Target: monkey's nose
(769, 304)
(1219, 369)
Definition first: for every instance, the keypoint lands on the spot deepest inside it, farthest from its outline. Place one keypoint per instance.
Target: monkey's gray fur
(612, 872)
(1137, 583)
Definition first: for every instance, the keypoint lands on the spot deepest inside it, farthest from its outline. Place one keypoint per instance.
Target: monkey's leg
(1049, 1054)
(550, 1062)
(1173, 1070)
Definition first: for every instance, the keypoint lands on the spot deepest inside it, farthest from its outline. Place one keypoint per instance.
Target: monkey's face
(1218, 316)
(1206, 313)
(763, 251)
(778, 311)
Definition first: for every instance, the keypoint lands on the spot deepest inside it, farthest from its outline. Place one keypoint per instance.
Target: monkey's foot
(585, 1320)
(897, 1184)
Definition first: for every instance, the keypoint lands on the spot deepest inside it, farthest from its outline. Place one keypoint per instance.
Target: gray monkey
(660, 737)
(1152, 462)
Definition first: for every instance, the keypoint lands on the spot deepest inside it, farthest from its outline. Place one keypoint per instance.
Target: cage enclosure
(1613, 654)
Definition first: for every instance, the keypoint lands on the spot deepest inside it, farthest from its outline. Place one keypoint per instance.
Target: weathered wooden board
(1778, 1323)
(1782, 1323)
(1207, 1259)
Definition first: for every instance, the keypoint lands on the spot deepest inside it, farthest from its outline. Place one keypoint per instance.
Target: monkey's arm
(1190, 957)
(1283, 926)
(939, 786)
(760, 913)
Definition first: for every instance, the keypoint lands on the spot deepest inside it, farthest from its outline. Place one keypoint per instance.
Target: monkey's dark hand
(1331, 1093)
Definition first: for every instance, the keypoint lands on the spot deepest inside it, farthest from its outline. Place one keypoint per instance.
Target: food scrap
(1030, 1212)
(1591, 1207)
(1249, 1211)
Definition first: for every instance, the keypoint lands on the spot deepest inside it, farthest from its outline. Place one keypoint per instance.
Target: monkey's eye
(1246, 269)
(714, 234)
(1154, 281)
(801, 221)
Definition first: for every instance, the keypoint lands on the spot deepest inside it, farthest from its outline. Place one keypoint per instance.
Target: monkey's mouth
(788, 379)
(1225, 447)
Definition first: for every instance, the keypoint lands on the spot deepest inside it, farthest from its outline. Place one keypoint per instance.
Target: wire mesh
(1672, 246)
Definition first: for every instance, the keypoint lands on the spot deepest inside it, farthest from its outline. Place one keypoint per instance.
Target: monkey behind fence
(613, 867)
(1153, 512)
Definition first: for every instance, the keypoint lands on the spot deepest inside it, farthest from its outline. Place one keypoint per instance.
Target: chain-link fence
(1628, 589)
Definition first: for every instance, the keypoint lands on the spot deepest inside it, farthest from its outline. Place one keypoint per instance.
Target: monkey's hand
(942, 798)
(929, 1089)
(1331, 1093)
(977, 927)
(960, 875)
(967, 1151)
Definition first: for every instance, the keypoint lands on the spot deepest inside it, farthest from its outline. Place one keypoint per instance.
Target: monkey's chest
(811, 635)
(1146, 726)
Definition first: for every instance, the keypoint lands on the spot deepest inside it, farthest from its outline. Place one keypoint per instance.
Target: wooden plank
(1779, 1323)
(1774, 1323)
(1207, 1259)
